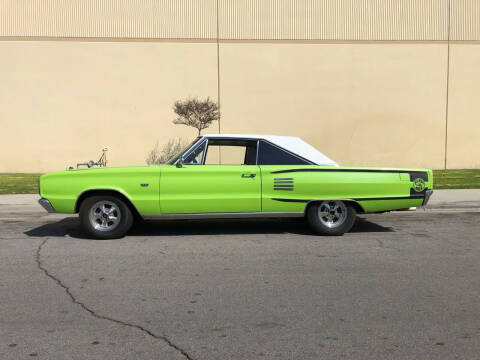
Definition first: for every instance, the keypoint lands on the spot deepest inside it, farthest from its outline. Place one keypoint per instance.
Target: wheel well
(358, 208)
(114, 193)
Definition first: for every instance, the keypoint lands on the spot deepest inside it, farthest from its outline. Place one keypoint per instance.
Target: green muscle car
(233, 176)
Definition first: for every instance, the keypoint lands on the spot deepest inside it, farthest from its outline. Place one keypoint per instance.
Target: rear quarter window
(269, 154)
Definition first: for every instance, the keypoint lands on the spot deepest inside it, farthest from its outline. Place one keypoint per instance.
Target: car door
(203, 186)
(282, 191)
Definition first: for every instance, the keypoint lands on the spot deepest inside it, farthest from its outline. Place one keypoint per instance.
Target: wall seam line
(448, 83)
(218, 72)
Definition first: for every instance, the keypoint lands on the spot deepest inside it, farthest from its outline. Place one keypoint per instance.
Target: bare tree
(160, 155)
(198, 114)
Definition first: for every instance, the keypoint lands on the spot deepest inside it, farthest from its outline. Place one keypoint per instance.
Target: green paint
(63, 188)
(230, 188)
(210, 188)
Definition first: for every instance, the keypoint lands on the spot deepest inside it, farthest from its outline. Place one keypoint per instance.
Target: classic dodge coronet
(230, 176)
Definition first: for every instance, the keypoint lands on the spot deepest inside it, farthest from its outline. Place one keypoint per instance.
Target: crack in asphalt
(382, 245)
(98, 316)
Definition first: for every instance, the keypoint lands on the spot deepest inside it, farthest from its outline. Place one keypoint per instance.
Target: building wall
(362, 104)
(463, 143)
(365, 81)
(61, 102)
(109, 19)
(237, 19)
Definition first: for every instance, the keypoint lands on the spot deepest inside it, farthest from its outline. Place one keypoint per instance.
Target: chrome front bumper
(428, 194)
(46, 205)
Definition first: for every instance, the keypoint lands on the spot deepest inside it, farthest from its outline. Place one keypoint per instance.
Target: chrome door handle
(249, 175)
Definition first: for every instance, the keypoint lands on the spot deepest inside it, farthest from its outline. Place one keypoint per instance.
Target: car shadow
(71, 227)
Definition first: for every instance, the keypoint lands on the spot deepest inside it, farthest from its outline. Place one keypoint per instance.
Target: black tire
(121, 212)
(319, 226)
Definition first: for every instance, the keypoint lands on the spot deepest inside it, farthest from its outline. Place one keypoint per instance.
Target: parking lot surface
(402, 285)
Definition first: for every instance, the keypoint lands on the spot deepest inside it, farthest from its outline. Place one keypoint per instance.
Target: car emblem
(418, 184)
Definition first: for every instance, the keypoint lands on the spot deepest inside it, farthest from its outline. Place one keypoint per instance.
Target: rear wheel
(331, 217)
(105, 217)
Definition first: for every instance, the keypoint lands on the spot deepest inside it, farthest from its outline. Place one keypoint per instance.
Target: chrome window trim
(258, 147)
(193, 148)
(204, 156)
(204, 140)
(179, 156)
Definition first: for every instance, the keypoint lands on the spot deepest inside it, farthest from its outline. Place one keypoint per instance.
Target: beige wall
(464, 107)
(376, 103)
(365, 81)
(61, 102)
(361, 104)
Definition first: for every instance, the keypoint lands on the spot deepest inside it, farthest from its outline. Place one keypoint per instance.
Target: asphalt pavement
(401, 285)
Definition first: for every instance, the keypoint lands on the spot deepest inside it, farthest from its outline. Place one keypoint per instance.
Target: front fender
(139, 185)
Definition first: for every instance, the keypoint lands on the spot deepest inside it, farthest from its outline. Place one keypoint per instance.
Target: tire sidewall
(126, 219)
(319, 228)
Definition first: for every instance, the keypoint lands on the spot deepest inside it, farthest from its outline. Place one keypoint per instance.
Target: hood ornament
(102, 162)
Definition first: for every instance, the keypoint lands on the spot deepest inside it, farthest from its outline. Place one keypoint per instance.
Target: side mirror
(179, 163)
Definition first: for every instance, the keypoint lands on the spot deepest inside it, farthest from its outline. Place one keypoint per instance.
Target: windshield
(179, 155)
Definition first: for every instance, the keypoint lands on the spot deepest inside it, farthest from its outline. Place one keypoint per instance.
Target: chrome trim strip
(46, 205)
(231, 215)
(308, 202)
(414, 197)
(428, 194)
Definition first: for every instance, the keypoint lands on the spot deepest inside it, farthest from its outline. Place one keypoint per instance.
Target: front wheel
(105, 217)
(331, 217)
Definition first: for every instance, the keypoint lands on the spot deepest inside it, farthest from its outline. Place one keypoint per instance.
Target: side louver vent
(283, 184)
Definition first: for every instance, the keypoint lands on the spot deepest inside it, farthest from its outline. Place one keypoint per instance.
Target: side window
(195, 157)
(231, 152)
(271, 155)
(225, 155)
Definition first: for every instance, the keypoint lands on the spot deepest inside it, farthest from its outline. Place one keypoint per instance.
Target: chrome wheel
(104, 216)
(332, 213)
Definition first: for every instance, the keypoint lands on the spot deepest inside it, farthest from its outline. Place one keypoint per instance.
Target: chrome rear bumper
(46, 205)
(428, 194)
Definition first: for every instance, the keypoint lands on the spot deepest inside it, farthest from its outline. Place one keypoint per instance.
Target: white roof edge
(291, 143)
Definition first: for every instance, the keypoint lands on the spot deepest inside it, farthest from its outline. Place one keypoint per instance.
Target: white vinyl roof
(290, 143)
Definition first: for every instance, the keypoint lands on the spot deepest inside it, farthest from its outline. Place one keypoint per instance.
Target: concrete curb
(466, 199)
